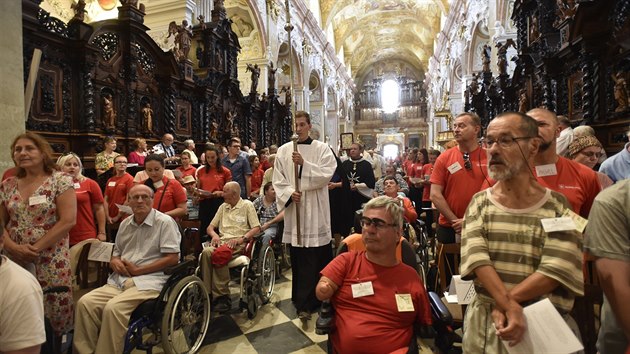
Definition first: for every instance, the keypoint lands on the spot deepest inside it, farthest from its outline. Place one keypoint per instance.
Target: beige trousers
(216, 279)
(102, 317)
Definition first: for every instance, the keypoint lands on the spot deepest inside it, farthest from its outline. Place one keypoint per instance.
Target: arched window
(390, 99)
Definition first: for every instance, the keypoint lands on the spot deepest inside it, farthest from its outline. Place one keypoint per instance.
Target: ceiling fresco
(371, 31)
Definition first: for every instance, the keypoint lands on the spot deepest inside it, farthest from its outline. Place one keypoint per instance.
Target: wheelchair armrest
(180, 267)
(439, 311)
(325, 323)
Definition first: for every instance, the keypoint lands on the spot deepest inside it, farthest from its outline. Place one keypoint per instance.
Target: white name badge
(546, 170)
(36, 200)
(77, 186)
(580, 222)
(362, 289)
(564, 223)
(454, 167)
(111, 184)
(404, 303)
(158, 184)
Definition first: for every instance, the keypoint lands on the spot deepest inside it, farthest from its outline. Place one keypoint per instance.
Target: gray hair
(583, 130)
(390, 205)
(234, 186)
(188, 142)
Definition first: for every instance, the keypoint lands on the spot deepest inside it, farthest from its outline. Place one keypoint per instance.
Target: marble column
(12, 88)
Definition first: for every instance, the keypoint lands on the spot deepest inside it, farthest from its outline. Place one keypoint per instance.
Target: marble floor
(275, 329)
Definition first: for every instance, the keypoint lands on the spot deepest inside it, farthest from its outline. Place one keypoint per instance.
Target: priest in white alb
(312, 251)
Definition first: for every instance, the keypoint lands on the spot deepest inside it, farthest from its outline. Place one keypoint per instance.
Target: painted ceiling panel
(371, 31)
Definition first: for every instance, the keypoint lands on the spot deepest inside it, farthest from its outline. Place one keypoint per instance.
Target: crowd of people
(491, 191)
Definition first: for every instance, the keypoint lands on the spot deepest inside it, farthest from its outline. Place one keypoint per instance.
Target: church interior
(390, 74)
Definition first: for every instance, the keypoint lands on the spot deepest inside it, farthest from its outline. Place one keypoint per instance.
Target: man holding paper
(511, 255)
(146, 244)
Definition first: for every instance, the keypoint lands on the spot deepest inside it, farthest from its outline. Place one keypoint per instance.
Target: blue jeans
(269, 234)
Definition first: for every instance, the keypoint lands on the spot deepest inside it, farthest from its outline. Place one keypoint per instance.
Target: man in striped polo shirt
(513, 260)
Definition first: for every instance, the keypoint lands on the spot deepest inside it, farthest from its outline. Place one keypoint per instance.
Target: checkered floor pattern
(275, 329)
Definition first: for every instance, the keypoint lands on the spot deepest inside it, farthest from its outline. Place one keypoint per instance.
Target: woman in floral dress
(40, 206)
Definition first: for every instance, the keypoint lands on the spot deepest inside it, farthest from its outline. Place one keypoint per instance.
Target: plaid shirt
(265, 214)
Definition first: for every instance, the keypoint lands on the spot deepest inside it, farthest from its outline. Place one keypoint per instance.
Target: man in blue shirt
(239, 166)
(617, 167)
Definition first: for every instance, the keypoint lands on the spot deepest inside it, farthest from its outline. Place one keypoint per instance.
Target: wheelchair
(178, 318)
(257, 275)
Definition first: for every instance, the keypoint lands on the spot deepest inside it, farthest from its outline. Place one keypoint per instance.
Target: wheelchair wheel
(267, 269)
(186, 317)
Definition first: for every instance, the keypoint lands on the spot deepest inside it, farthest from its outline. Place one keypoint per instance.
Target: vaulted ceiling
(372, 31)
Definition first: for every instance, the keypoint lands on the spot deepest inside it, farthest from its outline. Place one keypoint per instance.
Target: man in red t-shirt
(577, 182)
(457, 175)
(377, 298)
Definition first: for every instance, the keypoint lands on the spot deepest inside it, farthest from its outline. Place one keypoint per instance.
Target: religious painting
(183, 118)
(532, 29)
(346, 140)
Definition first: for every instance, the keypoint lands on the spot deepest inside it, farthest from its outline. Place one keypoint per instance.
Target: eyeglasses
(120, 162)
(591, 154)
(504, 141)
(378, 223)
(236, 146)
(140, 197)
(467, 162)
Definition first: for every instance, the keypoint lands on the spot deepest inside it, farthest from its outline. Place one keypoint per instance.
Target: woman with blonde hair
(140, 153)
(40, 207)
(89, 201)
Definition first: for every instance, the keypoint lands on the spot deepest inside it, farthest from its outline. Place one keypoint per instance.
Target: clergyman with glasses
(377, 298)
(513, 260)
(457, 175)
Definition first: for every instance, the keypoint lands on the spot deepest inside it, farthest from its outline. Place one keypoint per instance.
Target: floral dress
(27, 224)
(104, 162)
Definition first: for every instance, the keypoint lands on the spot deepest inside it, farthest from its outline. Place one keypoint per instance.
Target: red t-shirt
(459, 184)
(427, 168)
(173, 195)
(265, 164)
(116, 192)
(190, 171)
(134, 157)
(213, 181)
(257, 177)
(373, 324)
(88, 193)
(577, 182)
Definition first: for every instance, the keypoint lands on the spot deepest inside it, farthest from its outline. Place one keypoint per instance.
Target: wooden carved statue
(147, 114)
(183, 39)
(502, 55)
(271, 77)
(621, 91)
(109, 114)
(485, 57)
(566, 9)
(523, 101)
(255, 70)
(79, 10)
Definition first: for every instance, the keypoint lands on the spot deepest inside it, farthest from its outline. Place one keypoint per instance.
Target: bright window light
(389, 96)
(390, 151)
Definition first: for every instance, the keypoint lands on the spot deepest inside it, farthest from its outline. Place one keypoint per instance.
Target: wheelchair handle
(56, 290)
(180, 267)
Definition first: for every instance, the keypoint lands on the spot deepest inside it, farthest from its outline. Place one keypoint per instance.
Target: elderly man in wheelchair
(237, 224)
(147, 244)
(377, 298)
